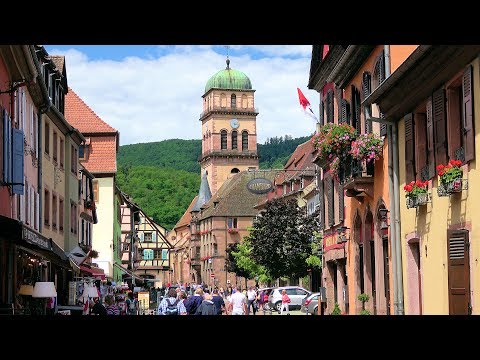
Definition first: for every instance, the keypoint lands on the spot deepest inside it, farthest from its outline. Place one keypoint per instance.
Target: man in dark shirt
(97, 307)
(218, 301)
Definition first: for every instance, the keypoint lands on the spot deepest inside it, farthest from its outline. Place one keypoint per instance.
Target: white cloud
(159, 97)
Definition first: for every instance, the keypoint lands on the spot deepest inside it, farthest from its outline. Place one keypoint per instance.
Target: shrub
(336, 310)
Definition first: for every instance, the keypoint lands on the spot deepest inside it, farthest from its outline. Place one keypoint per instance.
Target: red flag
(305, 105)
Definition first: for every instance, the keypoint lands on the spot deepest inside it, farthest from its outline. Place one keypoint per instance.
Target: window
(55, 146)
(46, 208)
(47, 138)
(223, 100)
(215, 249)
(54, 210)
(73, 218)
(232, 223)
(329, 106)
(244, 140)
(96, 193)
(60, 218)
(62, 153)
(82, 152)
(223, 139)
(164, 254)
(233, 99)
(234, 139)
(147, 237)
(126, 246)
(148, 254)
(82, 232)
(27, 203)
(73, 159)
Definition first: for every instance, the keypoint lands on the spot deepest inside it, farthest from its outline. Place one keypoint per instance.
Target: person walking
(112, 308)
(238, 302)
(207, 307)
(132, 304)
(285, 302)
(171, 305)
(218, 301)
(251, 298)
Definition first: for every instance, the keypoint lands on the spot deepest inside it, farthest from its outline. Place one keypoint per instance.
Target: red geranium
(415, 188)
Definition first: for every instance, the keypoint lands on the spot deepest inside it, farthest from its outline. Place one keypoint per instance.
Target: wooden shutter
(341, 206)
(458, 272)
(454, 122)
(141, 236)
(330, 106)
(430, 142)
(331, 213)
(345, 111)
(409, 148)
(339, 93)
(154, 236)
(420, 134)
(366, 90)
(321, 117)
(381, 68)
(7, 148)
(18, 162)
(321, 203)
(469, 131)
(440, 127)
(383, 127)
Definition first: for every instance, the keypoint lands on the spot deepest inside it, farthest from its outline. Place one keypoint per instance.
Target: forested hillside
(163, 177)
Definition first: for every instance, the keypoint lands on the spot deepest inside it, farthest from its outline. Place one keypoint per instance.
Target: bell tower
(229, 126)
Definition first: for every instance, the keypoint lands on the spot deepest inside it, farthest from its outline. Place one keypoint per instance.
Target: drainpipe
(43, 109)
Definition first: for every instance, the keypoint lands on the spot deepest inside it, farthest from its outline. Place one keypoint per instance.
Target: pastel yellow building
(434, 96)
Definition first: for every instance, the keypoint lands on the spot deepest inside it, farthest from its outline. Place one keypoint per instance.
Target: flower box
(455, 186)
(418, 200)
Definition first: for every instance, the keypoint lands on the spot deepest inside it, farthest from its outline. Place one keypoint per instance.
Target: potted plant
(450, 177)
(416, 193)
(364, 298)
(333, 141)
(367, 147)
(336, 310)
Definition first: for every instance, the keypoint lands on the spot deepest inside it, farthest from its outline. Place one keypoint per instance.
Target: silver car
(310, 304)
(295, 293)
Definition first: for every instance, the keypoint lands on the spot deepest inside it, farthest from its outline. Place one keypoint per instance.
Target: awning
(129, 272)
(94, 271)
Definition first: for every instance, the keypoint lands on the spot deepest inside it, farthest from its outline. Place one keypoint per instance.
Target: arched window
(235, 171)
(244, 101)
(233, 99)
(244, 140)
(234, 139)
(223, 100)
(223, 139)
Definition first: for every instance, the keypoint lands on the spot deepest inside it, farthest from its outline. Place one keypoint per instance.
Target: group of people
(113, 305)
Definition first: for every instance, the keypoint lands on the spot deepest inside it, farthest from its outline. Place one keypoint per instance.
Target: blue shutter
(150, 254)
(164, 254)
(7, 149)
(145, 254)
(18, 163)
(154, 236)
(141, 236)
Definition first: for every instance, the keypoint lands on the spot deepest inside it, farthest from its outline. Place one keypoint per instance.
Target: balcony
(357, 177)
(229, 110)
(228, 153)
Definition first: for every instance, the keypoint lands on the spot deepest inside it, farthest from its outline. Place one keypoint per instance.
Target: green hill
(163, 177)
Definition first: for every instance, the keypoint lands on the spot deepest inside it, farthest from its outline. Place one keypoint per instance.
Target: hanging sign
(260, 186)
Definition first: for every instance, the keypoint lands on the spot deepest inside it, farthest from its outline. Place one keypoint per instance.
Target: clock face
(234, 123)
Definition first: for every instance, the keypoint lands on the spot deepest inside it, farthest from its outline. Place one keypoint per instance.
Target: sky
(152, 93)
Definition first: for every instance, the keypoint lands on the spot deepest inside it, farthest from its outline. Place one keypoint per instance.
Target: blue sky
(152, 93)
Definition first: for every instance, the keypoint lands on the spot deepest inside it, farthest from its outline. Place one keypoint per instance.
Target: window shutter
(321, 117)
(340, 110)
(420, 136)
(330, 106)
(37, 211)
(7, 148)
(22, 212)
(18, 162)
(331, 214)
(344, 110)
(381, 68)
(24, 109)
(341, 206)
(164, 254)
(440, 127)
(31, 200)
(321, 203)
(141, 236)
(409, 148)
(145, 254)
(430, 142)
(366, 90)
(154, 236)
(468, 129)
(383, 127)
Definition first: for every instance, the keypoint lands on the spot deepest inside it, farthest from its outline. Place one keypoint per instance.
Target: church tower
(229, 126)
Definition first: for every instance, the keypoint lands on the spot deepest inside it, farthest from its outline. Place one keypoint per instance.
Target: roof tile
(102, 157)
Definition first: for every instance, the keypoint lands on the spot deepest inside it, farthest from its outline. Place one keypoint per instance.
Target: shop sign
(260, 186)
(36, 239)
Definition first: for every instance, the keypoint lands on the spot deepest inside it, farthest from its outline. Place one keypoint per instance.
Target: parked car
(310, 304)
(295, 293)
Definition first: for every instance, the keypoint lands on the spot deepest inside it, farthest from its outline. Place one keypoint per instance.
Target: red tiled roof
(80, 116)
(102, 155)
(187, 216)
(59, 61)
(301, 159)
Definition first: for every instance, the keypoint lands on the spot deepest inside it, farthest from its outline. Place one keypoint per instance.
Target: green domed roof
(229, 79)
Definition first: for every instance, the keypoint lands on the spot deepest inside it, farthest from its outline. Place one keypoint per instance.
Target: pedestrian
(97, 308)
(132, 304)
(207, 307)
(112, 308)
(171, 305)
(218, 301)
(193, 302)
(261, 300)
(285, 302)
(251, 298)
(238, 302)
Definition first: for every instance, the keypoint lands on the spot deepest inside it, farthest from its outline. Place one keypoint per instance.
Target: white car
(295, 293)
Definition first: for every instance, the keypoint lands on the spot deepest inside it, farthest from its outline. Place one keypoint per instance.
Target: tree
(281, 238)
(231, 261)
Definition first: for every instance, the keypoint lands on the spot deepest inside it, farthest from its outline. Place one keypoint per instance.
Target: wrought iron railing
(455, 186)
(417, 201)
(229, 109)
(460, 154)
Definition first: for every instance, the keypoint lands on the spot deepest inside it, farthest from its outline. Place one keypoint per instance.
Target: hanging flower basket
(334, 140)
(450, 178)
(417, 201)
(367, 147)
